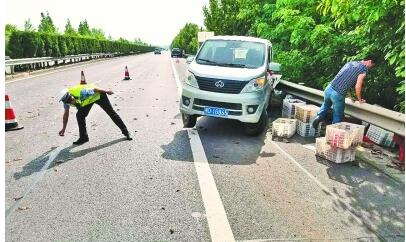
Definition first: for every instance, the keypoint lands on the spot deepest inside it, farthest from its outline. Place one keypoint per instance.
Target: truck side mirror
(274, 67)
(275, 71)
(190, 59)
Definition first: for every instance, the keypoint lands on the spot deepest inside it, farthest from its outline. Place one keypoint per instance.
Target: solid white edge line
(220, 229)
(178, 83)
(51, 158)
(219, 226)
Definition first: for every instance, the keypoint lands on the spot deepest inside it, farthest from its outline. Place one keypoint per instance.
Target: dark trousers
(105, 104)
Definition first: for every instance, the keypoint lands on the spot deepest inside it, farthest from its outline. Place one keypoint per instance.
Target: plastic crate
(380, 136)
(288, 107)
(344, 135)
(305, 129)
(306, 113)
(333, 154)
(284, 127)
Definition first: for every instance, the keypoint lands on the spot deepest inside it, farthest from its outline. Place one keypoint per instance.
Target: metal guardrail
(27, 61)
(379, 116)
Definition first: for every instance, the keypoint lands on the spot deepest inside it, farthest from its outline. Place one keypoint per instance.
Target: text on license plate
(220, 112)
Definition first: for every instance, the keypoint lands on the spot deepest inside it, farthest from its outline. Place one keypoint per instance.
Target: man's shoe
(316, 122)
(81, 141)
(127, 135)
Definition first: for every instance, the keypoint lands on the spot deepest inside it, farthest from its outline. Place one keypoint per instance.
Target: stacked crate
(340, 142)
(332, 153)
(284, 127)
(305, 115)
(289, 107)
(380, 136)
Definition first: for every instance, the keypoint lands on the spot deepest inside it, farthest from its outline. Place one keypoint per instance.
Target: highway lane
(147, 189)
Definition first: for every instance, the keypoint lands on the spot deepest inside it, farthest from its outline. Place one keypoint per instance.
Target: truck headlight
(191, 79)
(255, 85)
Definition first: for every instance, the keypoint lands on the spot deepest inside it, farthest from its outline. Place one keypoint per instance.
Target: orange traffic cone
(11, 120)
(82, 78)
(126, 74)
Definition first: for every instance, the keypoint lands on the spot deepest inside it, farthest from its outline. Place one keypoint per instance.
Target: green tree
(69, 30)
(28, 26)
(186, 39)
(84, 29)
(313, 39)
(46, 24)
(223, 18)
(9, 29)
(97, 34)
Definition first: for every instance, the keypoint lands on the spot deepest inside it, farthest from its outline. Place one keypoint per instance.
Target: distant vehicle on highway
(176, 52)
(231, 77)
(157, 51)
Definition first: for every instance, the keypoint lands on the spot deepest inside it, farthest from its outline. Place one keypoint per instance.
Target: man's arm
(358, 87)
(65, 122)
(97, 89)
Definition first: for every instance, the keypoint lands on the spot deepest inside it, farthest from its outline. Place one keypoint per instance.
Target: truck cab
(231, 77)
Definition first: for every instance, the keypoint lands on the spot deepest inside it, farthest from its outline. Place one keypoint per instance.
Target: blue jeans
(332, 97)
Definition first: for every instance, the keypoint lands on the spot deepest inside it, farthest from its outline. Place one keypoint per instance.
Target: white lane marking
(178, 83)
(310, 147)
(347, 209)
(51, 158)
(219, 226)
(310, 239)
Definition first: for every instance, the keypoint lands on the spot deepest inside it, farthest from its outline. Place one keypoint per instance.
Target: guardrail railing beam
(379, 116)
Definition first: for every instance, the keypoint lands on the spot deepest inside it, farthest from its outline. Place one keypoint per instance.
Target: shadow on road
(373, 197)
(63, 156)
(223, 140)
(179, 148)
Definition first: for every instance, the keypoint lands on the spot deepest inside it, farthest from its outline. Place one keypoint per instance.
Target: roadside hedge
(23, 44)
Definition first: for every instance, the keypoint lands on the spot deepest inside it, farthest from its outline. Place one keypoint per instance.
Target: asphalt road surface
(211, 183)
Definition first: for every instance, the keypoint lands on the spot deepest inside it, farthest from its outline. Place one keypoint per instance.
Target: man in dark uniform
(83, 97)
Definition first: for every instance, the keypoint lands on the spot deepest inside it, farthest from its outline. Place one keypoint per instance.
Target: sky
(153, 21)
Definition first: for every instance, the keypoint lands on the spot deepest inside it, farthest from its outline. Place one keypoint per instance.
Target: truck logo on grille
(219, 84)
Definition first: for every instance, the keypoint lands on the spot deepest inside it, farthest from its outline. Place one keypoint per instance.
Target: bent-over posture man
(83, 97)
(351, 75)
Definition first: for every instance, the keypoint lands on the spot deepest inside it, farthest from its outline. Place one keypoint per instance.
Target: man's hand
(361, 101)
(62, 132)
(109, 92)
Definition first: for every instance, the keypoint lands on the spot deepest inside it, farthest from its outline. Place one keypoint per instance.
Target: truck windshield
(232, 53)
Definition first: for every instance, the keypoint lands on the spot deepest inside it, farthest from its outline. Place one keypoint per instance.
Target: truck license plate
(217, 112)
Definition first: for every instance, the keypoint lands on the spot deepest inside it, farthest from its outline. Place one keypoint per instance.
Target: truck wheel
(254, 129)
(189, 121)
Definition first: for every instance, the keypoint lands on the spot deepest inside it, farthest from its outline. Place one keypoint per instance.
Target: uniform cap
(63, 95)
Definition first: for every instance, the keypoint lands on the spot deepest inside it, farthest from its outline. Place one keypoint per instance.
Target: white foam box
(380, 136)
(284, 127)
(337, 155)
(344, 135)
(289, 107)
(306, 113)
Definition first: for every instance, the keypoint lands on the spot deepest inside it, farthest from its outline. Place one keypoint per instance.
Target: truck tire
(189, 121)
(254, 129)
